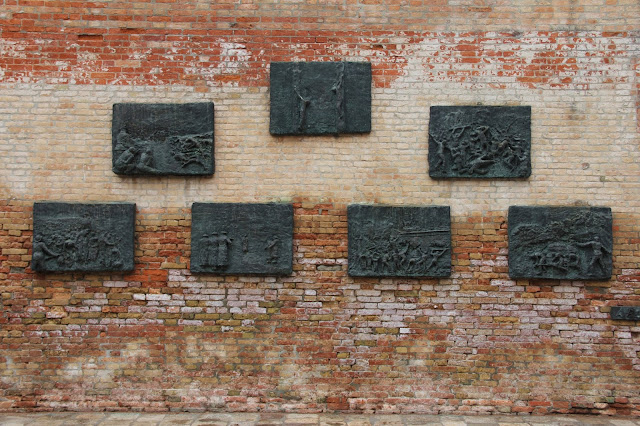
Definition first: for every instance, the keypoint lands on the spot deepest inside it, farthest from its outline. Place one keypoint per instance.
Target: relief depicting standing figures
(215, 249)
(233, 238)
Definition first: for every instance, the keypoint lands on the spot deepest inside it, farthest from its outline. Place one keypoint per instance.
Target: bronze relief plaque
(162, 139)
(71, 237)
(625, 313)
(231, 238)
(386, 241)
(318, 98)
(480, 142)
(562, 243)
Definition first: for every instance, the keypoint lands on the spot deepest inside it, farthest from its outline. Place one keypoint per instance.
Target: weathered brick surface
(160, 338)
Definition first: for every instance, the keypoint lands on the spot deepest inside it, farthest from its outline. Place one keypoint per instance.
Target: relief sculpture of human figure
(126, 162)
(440, 155)
(111, 257)
(273, 249)
(146, 162)
(137, 155)
(436, 253)
(40, 253)
(208, 257)
(223, 243)
(598, 251)
(69, 253)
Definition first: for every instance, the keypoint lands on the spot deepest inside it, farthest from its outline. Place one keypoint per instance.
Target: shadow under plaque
(387, 241)
(162, 139)
(318, 98)
(230, 238)
(561, 243)
(480, 142)
(69, 237)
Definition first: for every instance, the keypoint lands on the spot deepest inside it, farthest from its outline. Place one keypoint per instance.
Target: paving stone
(481, 421)
(553, 420)
(386, 419)
(419, 419)
(623, 422)
(123, 416)
(151, 417)
(358, 421)
(325, 422)
(301, 419)
(453, 423)
(179, 419)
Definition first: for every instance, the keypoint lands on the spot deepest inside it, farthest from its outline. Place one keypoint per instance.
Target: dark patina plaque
(83, 237)
(162, 139)
(564, 243)
(228, 238)
(389, 241)
(627, 313)
(480, 142)
(316, 98)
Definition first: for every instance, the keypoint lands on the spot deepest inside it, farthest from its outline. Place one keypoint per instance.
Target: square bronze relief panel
(318, 98)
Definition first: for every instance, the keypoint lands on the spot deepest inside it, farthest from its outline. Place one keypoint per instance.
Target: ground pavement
(269, 419)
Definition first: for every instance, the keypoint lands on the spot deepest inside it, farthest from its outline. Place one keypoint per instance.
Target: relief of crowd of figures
(139, 156)
(403, 252)
(560, 242)
(479, 142)
(69, 237)
(399, 241)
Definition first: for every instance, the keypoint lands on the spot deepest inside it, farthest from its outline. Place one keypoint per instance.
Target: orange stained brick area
(318, 341)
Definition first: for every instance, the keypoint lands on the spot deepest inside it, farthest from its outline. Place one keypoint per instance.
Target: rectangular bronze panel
(315, 98)
(389, 241)
(480, 142)
(83, 237)
(625, 313)
(162, 139)
(229, 238)
(563, 243)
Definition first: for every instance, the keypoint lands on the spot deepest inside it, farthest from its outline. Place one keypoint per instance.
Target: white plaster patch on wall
(13, 49)
(233, 56)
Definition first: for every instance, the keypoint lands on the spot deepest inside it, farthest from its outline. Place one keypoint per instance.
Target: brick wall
(160, 338)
